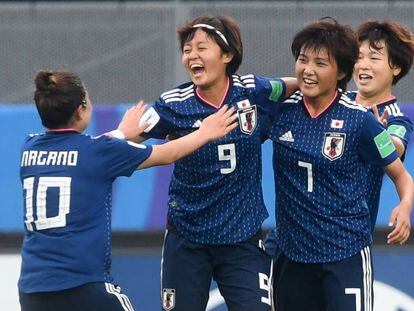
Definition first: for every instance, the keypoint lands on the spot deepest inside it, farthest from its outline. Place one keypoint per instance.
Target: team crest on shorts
(333, 145)
(168, 298)
(247, 119)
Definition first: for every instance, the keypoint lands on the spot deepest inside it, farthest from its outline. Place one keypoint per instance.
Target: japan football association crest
(247, 119)
(333, 145)
(168, 298)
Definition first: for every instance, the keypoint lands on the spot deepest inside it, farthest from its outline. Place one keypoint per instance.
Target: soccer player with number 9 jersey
(323, 143)
(216, 206)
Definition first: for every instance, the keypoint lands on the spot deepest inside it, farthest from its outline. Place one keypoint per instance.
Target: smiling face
(204, 61)
(317, 75)
(373, 74)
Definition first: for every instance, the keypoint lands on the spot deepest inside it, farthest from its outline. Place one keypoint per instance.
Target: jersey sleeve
(118, 157)
(401, 127)
(270, 92)
(160, 118)
(375, 145)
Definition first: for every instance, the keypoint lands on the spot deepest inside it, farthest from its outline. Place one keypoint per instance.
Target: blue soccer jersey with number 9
(215, 195)
(67, 184)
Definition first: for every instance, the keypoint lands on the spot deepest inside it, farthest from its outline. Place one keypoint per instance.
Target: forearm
(291, 85)
(403, 183)
(174, 150)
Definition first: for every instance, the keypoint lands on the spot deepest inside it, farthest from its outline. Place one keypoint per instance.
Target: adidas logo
(197, 124)
(287, 137)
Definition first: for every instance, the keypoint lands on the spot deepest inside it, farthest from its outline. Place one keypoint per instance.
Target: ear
(227, 57)
(396, 71)
(341, 75)
(78, 115)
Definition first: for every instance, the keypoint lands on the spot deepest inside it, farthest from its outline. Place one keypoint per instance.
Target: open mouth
(364, 77)
(197, 69)
(308, 81)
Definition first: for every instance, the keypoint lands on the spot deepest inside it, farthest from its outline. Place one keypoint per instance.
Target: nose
(308, 70)
(193, 54)
(362, 63)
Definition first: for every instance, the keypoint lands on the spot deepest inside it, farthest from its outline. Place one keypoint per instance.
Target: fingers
(375, 111)
(231, 127)
(401, 232)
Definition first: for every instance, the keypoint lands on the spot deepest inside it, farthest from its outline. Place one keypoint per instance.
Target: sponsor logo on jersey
(168, 298)
(384, 144)
(247, 119)
(337, 124)
(243, 104)
(287, 137)
(333, 145)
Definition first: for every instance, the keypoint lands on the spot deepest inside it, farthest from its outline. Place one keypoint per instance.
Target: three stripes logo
(287, 137)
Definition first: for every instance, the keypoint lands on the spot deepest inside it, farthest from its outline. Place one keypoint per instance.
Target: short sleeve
(375, 145)
(401, 127)
(117, 157)
(160, 119)
(270, 92)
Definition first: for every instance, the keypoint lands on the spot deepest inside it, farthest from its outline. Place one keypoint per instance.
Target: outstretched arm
(400, 216)
(213, 127)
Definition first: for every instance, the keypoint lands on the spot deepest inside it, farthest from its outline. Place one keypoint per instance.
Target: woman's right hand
(219, 124)
(129, 125)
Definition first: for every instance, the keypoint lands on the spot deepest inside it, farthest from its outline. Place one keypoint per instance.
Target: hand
(219, 124)
(130, 121)
(401, 216)
(381, 119)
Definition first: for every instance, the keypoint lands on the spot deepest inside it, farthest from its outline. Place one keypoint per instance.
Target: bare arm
(398, 145)
(212, 128)
(400, 216)
(291, 85)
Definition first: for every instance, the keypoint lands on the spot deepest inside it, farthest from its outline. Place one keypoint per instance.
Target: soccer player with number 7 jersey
(67, 183)
(216, 207)
(323, 143)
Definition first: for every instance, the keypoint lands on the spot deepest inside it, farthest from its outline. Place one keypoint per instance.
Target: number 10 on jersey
(42, 221)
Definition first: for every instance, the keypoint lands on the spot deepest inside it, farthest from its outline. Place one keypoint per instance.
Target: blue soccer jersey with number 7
(321, 167)
(67, 184)
(215, 195)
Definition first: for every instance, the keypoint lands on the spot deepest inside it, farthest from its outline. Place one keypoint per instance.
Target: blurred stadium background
(126, 51)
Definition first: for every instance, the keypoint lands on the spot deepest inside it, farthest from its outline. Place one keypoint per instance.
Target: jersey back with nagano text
(67, 183)
(400, 126)
(321, 169)
(215, 194)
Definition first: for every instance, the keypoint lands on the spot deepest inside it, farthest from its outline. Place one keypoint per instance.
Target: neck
(317, 105)
(215, 93)
(369, 100)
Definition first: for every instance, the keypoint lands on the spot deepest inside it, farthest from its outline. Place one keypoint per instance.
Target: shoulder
(178, 94)
(351, 94)
(294, 98)
(393, 109)
(246, 81)
(351, 105)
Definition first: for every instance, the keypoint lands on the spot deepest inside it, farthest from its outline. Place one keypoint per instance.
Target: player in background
(323, 143)
(67, 182)
(386, 51)
(215, 207)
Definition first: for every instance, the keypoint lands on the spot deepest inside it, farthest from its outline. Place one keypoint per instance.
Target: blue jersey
(398, 125)
(321, 169)
(215, 195)
(67, 183)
